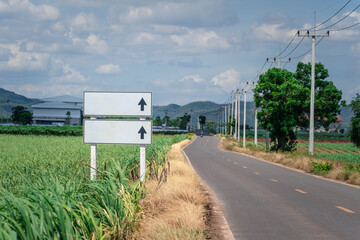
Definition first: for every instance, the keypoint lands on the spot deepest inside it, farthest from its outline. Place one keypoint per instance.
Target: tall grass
(45, 192)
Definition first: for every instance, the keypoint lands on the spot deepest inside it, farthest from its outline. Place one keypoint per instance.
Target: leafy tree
(280, 97)
(211, 126)
(327, 96)
(284, 99)
(68, 118)
(355, 120)
(184, 121)
(157, 121)
(21, 116)
(202, 120)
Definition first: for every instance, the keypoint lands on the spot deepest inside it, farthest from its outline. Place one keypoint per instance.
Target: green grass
(45, 192)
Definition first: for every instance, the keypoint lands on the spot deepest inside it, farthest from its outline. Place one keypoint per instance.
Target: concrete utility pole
(312, 96)
(238, 136)
(256, 123)
(232, 112)
(278, 60)
(235, 115)
(244, 122)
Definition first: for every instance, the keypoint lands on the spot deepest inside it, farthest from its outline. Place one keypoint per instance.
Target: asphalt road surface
(265, 201)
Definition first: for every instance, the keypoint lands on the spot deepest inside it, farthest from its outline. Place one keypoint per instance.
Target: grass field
(45, 192)
(344, 152)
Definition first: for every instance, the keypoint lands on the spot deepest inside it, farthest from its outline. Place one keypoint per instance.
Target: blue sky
(182, 51)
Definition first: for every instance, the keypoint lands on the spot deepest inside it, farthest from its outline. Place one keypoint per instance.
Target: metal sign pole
(142, 160)
(93, 159)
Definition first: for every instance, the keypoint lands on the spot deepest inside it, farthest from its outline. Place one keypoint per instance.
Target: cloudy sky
(182, 51)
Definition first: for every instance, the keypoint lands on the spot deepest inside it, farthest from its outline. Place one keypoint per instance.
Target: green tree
(280, 96)
(21, 116)
(284, 99)
(157, 121)
(68, 118)
(202, 121)
(184, 121)
(327, 96)
(355, 120)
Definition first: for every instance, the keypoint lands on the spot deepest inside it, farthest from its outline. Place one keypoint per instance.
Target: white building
(54, 111)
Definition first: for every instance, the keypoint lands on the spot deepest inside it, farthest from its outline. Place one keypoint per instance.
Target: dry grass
(297, 161)
(176, 209)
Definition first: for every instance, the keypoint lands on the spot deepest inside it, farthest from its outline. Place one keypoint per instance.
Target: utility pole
(244, 122)
(256, 124)
(278, 61)
(238, 137)
(312, 96)
(232, 113)
(236, 111)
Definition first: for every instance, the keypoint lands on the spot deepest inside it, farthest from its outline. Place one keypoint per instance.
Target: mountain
(9, 99)
(208, 109)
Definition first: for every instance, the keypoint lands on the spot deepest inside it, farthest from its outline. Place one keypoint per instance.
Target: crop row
(45, 192)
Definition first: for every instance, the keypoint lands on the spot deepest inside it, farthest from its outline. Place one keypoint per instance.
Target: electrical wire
(328, 18)
(340, 19)
(262, 68)
(309, 50)
(285, 65)
(295, 47)
(287, 46)
(344, 28)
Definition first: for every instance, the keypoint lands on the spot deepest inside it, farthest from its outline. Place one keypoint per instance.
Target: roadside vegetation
(45, 192)
(338, 161)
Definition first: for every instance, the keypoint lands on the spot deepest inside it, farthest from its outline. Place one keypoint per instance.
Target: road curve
(266, 201)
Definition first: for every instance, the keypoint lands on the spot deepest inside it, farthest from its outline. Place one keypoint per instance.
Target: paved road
(266, 201)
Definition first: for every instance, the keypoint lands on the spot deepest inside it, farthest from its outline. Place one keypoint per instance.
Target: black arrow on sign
(142, 132)
(142, 103)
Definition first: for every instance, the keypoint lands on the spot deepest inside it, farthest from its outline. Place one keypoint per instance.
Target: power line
(309, 50)
(287, 46)
(294, 48)
(329, 17)
(340, 19)
(344, 28)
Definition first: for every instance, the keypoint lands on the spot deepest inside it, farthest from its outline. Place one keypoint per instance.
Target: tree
(355, 120)
(157, 121)
(202, 121)
(280, 97)
(21, 116)
(184, 121)
(327, 96)
(68, 118)
(284, 99)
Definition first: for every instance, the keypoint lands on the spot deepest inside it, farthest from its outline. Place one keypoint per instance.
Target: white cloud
(227, 80)
(199, 39)
(95, 44)
(64, 73)
(23, 60)
(84, 22)
(180, 13)
(272, 32)
(192, 78)
(24, 8)
(108, 69)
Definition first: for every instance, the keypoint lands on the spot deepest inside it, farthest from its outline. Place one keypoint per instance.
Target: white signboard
(104, 131)
(118, 104)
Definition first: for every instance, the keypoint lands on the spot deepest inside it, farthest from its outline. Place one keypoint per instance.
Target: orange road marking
(345, 209)
(300, 191)
(244, 166)
(256, 173)
(274, 180)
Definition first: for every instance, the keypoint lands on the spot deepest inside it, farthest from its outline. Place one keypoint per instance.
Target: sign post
(110, 131)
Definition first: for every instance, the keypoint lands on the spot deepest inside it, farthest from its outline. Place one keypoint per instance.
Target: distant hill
(9, 99)
(208, 109)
